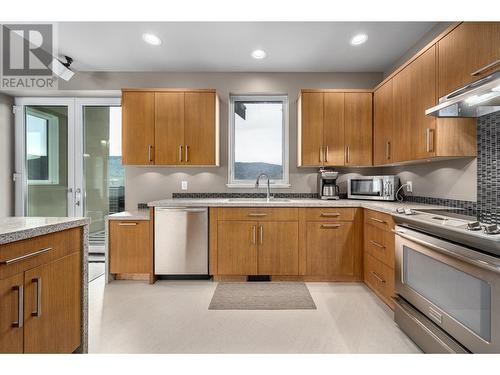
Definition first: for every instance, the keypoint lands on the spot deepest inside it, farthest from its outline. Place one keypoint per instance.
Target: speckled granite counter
(21, 228)
(386, 207)
(130, 215)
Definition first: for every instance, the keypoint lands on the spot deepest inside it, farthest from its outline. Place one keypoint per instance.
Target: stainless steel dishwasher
(181, 241)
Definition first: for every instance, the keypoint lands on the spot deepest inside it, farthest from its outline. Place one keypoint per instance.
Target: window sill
(262, 186)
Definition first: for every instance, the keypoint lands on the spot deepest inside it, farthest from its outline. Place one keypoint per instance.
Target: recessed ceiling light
(151, 39)
(359, 39)
(258, 54)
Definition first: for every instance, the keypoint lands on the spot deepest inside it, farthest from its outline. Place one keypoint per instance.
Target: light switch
(184, 185)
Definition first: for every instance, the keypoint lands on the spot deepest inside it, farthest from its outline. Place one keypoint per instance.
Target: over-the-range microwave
(373, 187)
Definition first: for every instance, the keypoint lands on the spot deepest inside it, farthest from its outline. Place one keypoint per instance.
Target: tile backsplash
(488, 176)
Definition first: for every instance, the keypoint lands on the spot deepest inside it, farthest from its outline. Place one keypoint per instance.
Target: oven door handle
(476, 262)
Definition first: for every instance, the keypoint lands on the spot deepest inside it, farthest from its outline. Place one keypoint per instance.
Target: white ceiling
(226, 47)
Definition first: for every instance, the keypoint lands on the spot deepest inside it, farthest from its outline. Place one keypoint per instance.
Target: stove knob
(491, 229)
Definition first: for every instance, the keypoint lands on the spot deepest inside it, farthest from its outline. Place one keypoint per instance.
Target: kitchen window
(258, 140)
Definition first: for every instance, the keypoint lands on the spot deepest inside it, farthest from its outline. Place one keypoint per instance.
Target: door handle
(388, 150)
(486, 67)
(347, 154)
(377, 277)
(326, 153)
(330, 226)
(150, 153)
(78, 196)
(254, 234)
(261, 230)
(429, 138)
(127, 224)
(180, 153)
(187, 153)
(23, 257)
(38, 311)
(256, 214)
(321, 154)
(375, 243)
(330, 214)
(20, 306)
(378, 220)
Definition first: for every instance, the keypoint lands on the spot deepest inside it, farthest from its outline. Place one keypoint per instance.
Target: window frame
(52, 147)
(285, 182)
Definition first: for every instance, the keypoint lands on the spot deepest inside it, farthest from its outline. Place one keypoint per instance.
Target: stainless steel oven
(373, 187)
(448, 294)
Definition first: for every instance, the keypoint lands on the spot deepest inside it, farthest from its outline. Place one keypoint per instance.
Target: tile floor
(173, 317)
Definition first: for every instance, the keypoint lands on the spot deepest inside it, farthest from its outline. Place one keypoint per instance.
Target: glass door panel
(46, 160)
(103, 171)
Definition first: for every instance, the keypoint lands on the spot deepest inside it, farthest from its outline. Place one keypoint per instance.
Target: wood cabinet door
(237, 247)
(358, 129)
(401, 115)
(199, 128)
(382, 125)
(138, 128)
(311, 129)
(52, 313)
(169, 128)
(423, 96)
(129, 247)
(333, 129)
(330, 249)
(11, 314)
(470, 47)
(278, 251)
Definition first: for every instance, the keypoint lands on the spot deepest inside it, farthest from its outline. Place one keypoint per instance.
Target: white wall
(6, 156)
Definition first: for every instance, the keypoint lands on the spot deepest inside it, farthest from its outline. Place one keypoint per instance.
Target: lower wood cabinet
(130, 247)
(40, 305)
(278, 251)
(237, 247)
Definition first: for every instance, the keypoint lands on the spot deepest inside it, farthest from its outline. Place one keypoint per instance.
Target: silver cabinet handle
(20, 306)
(377, 277)
(254, 234)
(378, 220)
(127, 224)
(38, 311)
(330, 214)
(429, 144)
(78, 196)
(180, 153)
(375, 243)
(150, 153)
(388, 150)
(326, 153)
(330, 226)
(257, 214)
(486, 67)
(23, 257)
(187, 153)
(321, 154)
(261, 230)
(347, 154)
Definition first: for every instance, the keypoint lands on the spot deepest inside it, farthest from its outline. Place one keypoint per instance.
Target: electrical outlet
(184, 185)
(409, 186)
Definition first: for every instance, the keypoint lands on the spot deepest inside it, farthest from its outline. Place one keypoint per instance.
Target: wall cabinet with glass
(334, 128)
(170, 127)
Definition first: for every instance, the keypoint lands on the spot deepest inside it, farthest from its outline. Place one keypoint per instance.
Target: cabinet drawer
(259, 214)
(380, 278)
(379, 244)
(330, 214)
(130, 247)
(19, 256)
(379, 220)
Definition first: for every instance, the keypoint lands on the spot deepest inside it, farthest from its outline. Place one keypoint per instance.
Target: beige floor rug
(262, 296)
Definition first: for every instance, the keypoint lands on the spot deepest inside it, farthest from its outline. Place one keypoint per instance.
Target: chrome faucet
(268, 198)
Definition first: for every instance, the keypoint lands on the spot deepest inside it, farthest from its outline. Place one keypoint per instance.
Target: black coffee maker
(327, 184)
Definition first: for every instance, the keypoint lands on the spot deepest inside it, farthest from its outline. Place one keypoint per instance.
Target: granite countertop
(20, 228)
(387, 207)
(130, 215)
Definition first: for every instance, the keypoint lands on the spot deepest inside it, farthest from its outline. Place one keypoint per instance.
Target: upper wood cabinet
(138, 128)
(383, 125)
(182, 127)
(358, 129)
(401, 99)
(467, 53)
(335, 128)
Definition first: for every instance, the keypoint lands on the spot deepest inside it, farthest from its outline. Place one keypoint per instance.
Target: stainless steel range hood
(474, 100)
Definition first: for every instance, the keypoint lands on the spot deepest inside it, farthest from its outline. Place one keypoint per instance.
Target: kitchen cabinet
(383, 124)
(138, 128)
(40, 294)
(170, 127)
(379, 254)
(358, 129)
(469, 52)
(237, 247)
(278, 250)
(401, 116)
(335, 128)
(130, 248)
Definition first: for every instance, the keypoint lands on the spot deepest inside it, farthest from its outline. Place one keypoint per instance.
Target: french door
(63, 156)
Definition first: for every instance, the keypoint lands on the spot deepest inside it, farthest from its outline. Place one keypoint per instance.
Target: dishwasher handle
(182, 209)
